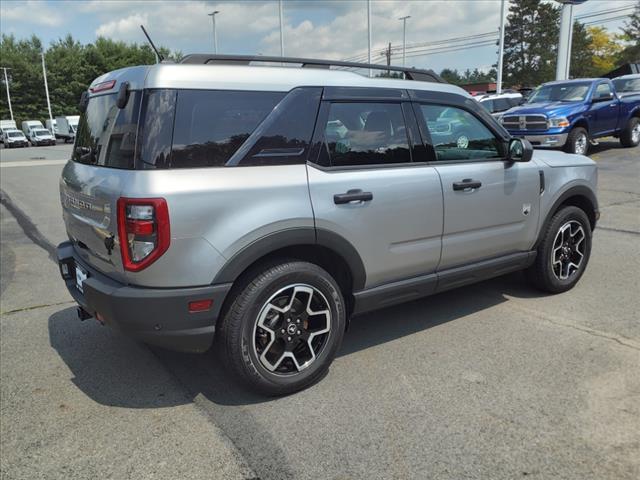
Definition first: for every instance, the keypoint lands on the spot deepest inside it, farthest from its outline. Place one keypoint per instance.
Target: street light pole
(46, 89)
(281, 27)
(6, 82)
(404, 36)
(215, 34)
(369, 31)
(501, 50)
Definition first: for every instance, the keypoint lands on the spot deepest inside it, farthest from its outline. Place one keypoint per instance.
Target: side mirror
(520, 150)
(604, 98)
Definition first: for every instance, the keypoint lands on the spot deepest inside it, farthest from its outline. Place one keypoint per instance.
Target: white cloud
(30, 12)
(124, 27)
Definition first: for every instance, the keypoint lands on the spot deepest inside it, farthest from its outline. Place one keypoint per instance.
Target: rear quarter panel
(216, 212)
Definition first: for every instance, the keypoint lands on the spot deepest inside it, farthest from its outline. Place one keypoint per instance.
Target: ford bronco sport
(266, 205)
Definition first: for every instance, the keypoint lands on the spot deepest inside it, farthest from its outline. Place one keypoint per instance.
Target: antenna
(151, 43)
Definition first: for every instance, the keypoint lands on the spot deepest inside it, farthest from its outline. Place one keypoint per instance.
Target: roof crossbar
(213, 59)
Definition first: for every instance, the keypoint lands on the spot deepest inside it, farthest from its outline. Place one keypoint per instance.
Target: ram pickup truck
(572, 114)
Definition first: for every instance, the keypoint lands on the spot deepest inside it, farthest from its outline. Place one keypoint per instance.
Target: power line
(425, 44)
(605, 20)
(605, 12)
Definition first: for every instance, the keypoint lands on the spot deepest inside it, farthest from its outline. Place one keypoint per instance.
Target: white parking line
(32, 163)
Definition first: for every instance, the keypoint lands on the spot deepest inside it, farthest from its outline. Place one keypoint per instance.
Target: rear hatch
(91, 183)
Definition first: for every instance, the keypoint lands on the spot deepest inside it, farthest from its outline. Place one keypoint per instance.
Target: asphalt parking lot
(492, 381)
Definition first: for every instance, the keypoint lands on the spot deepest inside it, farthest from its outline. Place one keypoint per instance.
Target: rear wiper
(86, 154)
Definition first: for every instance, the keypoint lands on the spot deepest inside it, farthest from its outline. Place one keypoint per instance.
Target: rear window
(106, 134)
(211, 125)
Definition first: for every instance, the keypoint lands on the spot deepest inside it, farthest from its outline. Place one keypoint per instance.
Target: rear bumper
(156, 316)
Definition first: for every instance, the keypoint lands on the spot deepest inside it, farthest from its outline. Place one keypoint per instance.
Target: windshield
(15, 134)
(627, 85)
(40, 133)
(561, 92)
(106, 135)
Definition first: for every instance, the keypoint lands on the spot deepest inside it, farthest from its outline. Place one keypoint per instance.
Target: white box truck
(6, 125)
(67, 127)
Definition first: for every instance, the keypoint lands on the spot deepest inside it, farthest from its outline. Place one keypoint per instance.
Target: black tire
(626, 136)
(574, 137)
(239, 330)
(542, 273)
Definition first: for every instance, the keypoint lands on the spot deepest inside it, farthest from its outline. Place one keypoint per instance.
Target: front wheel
(284, 327)
(577, 141)
(563, 253)
(630, 136)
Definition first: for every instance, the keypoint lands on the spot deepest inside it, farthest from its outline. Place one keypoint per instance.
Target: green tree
(631, 35)
(531, 38)
(71, 67)
(451, 76)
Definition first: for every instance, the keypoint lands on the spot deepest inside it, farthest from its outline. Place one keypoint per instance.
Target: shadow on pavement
(114, 370)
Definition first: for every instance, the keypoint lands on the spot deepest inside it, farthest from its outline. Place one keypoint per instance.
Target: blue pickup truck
(572, 114)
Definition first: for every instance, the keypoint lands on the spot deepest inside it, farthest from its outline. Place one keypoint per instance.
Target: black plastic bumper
(158, 316)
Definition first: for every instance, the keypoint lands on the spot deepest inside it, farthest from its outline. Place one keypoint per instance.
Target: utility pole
(215, 34)
(404, 36)
(389, 59)
(46, 89)
(6, 82)
(566, 37)
(369, 31)
(501, 49)
(281, 32)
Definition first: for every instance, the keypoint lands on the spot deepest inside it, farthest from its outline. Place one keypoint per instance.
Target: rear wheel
(630, 136)
(577, 141)
(284, 327)
(563, 253)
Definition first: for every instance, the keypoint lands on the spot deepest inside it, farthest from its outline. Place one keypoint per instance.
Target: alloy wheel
(568, 250)
(292, 329)
(635, 133)
(580, 146)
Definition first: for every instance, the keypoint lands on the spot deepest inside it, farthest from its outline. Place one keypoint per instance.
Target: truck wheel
(630, 136)
(577, 141)
(563, 253)
(284, 327)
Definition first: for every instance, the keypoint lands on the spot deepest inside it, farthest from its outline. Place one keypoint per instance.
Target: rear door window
(359, 134)
(211, 125)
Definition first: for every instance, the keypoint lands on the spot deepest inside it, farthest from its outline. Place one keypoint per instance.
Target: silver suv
(269, 204)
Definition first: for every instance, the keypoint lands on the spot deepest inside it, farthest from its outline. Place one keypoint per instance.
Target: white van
(29, 125)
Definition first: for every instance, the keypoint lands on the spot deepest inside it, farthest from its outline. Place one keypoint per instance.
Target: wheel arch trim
(581, 191)
(302, 236)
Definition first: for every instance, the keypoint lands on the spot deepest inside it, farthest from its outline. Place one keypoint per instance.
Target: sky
(334, 29)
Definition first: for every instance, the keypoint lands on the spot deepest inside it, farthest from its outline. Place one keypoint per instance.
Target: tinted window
(457, 135)
(106, 134)
(211, 125)
(501, 104)
(156, 128)
(366, 134)
(284, 137)
(624, 85)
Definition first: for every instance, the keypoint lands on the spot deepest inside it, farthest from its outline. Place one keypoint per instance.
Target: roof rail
(208, 59)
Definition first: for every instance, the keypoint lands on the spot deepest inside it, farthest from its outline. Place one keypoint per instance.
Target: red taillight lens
(143, 231)
(101, 87)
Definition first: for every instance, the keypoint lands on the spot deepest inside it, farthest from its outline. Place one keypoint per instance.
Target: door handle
(355, 195)
(466, 184)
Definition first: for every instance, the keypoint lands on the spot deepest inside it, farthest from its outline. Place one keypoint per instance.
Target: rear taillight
(143, 228)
